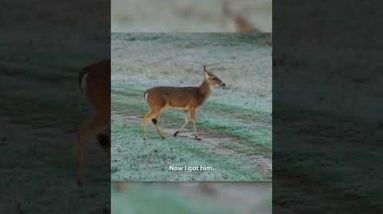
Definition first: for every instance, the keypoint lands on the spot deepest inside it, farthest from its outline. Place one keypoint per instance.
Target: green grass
(147, 162)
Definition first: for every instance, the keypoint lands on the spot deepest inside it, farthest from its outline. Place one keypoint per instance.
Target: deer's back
(176, 97)
(96, 85)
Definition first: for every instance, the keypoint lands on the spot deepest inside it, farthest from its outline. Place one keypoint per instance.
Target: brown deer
(94, 84)
(187, 99)
(241, 25)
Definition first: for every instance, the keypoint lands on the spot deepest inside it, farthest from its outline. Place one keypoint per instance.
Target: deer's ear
(204, 69)
(207, 73)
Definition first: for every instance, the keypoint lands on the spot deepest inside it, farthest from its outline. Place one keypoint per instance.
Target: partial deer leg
(93, 126)
(187, 119)
(104, 140)
(151, 114)
(155, 121)
(193, 120)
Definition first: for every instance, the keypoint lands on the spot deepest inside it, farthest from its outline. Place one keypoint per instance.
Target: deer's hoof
(162, 137)
(176, 133)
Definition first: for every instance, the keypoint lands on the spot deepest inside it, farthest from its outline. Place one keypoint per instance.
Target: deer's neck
(204, 89)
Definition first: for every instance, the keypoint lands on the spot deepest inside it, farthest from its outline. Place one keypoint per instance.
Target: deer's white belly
(181, 108)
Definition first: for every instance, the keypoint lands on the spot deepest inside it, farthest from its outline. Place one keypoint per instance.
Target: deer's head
(212, 79)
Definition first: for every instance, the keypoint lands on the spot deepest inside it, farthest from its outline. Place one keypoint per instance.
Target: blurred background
(41, 107)
(191, 16)
(191, 198)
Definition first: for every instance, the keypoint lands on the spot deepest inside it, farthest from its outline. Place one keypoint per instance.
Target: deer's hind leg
(155, 121)
(95, 124)
(149, 116)
(103, 139)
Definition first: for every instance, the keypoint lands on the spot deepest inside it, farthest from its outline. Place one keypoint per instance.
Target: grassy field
(235, 123)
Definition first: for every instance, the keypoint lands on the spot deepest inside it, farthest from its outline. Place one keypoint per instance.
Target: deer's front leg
(187, 118)
(193, 120)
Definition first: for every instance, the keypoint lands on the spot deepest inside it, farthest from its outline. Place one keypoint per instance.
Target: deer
(241, 24)
(187, 99)
(94, 85)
